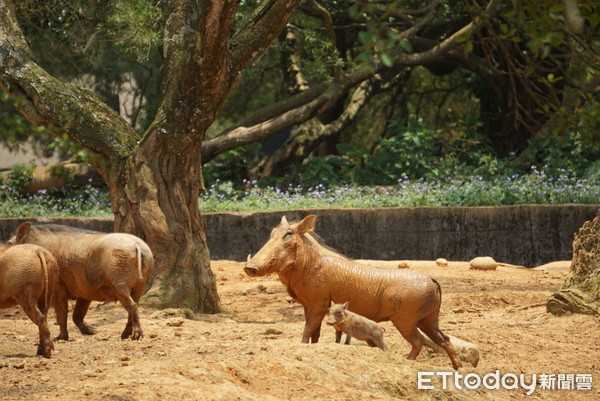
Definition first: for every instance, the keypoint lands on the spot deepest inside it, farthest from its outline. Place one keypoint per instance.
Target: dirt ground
(253, 350)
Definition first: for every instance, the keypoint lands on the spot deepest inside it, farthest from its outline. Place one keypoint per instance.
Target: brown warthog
(28, 276)
(408, 298)
(354, 325)
(93, 266)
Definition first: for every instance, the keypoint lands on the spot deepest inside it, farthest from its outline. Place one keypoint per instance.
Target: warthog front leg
(312, 328)
(61, 306)
(81, 308)
(349, 335)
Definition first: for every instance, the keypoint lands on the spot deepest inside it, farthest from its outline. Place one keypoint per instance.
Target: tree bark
(580, 292)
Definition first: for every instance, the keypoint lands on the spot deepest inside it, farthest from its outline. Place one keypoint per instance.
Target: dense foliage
(511, 111)
(413, 168)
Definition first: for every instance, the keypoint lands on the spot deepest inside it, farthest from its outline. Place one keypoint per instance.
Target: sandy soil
(253, 351)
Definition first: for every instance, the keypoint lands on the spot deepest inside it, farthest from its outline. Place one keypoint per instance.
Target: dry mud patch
(253, 350)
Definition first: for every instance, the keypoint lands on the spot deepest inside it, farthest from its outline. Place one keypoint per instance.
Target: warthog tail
(45, 270)
(139, 260)
(439, 287)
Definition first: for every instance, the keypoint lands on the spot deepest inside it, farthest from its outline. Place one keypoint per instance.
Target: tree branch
(259, 30)
(47, 101)
(307, 106)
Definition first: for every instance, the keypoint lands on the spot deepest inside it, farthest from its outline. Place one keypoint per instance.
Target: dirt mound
(253, 352)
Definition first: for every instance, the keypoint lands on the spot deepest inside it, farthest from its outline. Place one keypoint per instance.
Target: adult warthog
(93, 266)
(28, 276)
(408, 298)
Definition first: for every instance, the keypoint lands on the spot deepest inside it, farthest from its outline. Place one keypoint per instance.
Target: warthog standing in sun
(408, 298)
(93, 266)
(28, 276)
(354, 325)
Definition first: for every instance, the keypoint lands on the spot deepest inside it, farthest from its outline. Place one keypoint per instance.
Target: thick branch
(196, 67)
(259, 31)
(244, 134)
(47, 101)
(309, 135)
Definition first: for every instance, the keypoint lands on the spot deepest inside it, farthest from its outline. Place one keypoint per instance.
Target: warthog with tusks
(409, 299)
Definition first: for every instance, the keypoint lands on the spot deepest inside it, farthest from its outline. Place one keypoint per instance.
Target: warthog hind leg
(429, 326)
(412, 335)
(133, 328)
(45, 346)
(81, 308)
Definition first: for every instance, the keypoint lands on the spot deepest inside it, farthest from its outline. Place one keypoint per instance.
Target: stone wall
(524, 235)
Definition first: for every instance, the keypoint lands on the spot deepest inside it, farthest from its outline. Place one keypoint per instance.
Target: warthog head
(281, 250)
(337, 313)
(22, 234)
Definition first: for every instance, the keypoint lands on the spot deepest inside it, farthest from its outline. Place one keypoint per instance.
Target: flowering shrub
(536, 187)
(533, 188)
(86, 201)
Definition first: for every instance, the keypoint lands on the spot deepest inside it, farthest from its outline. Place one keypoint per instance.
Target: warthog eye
(288, 232)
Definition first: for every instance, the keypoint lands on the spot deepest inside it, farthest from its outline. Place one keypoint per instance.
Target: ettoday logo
(507, 381)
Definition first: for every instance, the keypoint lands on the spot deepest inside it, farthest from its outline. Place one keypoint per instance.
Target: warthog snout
(251, 270)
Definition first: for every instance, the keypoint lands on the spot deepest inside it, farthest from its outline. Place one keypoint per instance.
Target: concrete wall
(524, 235)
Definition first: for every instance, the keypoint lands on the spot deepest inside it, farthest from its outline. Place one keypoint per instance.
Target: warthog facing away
(354, 326)
(408, 298)
(93, 266)
(28, 276)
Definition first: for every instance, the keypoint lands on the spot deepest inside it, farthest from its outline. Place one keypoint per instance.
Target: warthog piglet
(354, 325)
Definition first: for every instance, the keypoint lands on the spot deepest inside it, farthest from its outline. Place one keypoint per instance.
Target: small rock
(175, 322)
(441, 262)
(272, 331)
(403, 265)
(124, 358)
(483, 263)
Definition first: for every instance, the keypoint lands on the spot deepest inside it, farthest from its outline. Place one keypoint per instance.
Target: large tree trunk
(155, 195)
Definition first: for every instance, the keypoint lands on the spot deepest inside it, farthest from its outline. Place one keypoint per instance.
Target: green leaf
(387, 60)
(364, 56)
(406, 45)
(365, 37)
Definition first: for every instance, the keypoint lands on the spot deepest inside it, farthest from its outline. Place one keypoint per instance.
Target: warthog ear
(307, 224)
(284, 221)
(346, 304)
(23, 230)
